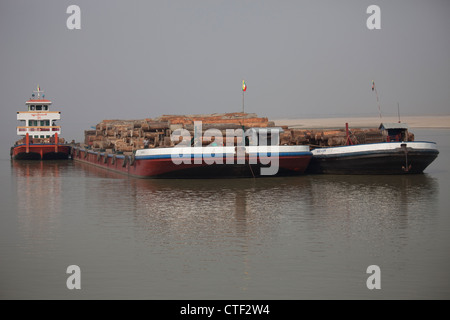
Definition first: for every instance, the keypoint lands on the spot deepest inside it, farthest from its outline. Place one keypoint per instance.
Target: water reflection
(242, 230)
(380, 212)
(304, 217)
(239, 215)
(394, 197)
(39, 197)
(236, 209)
(227, 213)
(247, 208)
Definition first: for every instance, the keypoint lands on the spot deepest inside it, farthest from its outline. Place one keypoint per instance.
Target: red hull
(40, 152)
(165, 168)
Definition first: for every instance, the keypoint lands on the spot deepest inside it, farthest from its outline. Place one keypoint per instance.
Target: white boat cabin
(38, 121)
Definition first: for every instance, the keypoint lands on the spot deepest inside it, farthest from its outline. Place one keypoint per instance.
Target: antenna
(374, 88)
(39, 91)
(398, 111)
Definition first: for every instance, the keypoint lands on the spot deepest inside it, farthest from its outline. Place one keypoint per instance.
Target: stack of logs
(331, 138)
(130, 135)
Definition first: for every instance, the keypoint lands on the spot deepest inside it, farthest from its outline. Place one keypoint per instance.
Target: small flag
(244, 86)
(38, 88)
(373, 85)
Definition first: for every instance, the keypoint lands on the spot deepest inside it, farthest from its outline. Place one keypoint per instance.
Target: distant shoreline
(431, 122)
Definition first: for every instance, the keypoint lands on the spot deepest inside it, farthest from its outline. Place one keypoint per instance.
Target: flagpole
(243, 101)
(374, 87)
(379, 108)
(244, 87)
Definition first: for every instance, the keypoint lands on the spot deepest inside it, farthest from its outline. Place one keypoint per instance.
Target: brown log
(336, 141)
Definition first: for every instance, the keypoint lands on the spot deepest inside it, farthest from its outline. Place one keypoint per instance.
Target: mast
(378, 101)
(38, 91)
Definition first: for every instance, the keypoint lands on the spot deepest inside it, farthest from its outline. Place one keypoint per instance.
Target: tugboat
(40, 134)
(395, 155)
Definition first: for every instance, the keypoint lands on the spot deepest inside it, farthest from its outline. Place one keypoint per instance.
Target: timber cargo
(125, 145)
(147, 148)
(390, 149)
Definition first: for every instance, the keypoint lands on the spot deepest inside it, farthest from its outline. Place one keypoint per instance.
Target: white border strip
(374, 147)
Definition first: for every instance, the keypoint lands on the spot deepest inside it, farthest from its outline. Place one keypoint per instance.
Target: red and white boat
(40, 134)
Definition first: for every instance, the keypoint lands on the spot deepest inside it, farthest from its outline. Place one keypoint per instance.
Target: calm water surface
(308, 237)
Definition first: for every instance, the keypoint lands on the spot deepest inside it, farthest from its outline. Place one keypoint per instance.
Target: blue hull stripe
(367, 153)
(168, 156)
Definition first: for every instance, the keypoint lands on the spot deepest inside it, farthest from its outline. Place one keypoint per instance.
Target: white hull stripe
(385, 147)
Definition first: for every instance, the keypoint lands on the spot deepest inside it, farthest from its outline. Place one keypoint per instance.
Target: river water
(307, 237)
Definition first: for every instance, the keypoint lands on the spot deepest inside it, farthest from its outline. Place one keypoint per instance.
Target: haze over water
(270, 238)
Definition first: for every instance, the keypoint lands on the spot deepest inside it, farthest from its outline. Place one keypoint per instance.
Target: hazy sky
(140, 59)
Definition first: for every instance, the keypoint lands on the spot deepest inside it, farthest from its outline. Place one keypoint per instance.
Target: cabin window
(45, 107)
(32, 107)
(38, 108)
(396, 135)
(45, 123)
(32, 123)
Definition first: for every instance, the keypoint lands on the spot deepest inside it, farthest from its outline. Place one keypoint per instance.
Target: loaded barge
(40, 134)
(397, 154)
(200, 162)
(145, 149)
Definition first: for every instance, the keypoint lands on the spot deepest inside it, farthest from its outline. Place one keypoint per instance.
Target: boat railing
(24, 129)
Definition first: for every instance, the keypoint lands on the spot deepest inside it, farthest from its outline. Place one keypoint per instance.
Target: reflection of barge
(40, 141)
(394, 156)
